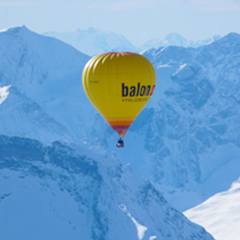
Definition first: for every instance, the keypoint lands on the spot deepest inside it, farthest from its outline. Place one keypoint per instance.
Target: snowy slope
(4, 92)
(220, 214)
(93, 41)
(21, 116)
(56, 192)
(193, 128)
(45, 79)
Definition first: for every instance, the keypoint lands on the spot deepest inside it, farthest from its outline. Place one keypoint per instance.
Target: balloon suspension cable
(120, 143)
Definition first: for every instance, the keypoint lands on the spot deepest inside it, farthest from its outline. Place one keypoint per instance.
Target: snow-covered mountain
(22, 116)
(206, 41)
(220, 214)
(93, 41)
(191, 119)
(176, 39)
(56, 192)
(192, 131)
(171, 39)
(184, 142)
(44, 75)
(188, 136)
(73, 194)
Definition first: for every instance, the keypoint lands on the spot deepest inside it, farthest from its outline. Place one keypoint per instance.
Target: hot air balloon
(119, 85)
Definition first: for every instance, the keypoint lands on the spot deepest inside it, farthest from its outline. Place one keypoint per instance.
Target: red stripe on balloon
(121, 129)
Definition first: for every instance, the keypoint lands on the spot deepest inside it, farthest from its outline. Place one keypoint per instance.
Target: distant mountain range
(175, 39)
(93, 41)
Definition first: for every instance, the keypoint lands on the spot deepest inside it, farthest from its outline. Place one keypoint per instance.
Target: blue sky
(139, 20)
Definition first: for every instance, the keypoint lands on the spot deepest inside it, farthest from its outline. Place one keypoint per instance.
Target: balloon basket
(120, 143)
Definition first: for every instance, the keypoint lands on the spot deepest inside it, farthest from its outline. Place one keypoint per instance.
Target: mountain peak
(174, 36)
(229, 38)
(18, 29)
(233, 35)
(21, 31)
(228, 44)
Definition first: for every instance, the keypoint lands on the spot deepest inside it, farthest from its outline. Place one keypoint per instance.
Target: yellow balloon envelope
(119, 85)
